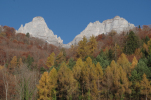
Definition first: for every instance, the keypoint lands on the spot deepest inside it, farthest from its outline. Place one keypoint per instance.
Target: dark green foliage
(132, 43)
(110, 55)
(139, 26)
(26, 94)
(27, 35)
(145, 53)
(142, 68)
(146, 39)
(71, 63)
(42, 70)
(149, 61)
(29, 61)
(104, 62)
(135, 76)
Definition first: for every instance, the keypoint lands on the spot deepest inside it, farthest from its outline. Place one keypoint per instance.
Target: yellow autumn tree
(77, 69)
(13, 64)
(50, 60)
(1, 67)
(93, 80)
(134, 63)
(116, 79)
(149, 46)
(60, 58)
(108, 81)
(92, 44)
(125, 84)
(66, 82)
(52, 83)
(85, 78)
(20, 63)
(43, 87)
(99, 75)
(145, 86)
(124, 63)
(83, 49)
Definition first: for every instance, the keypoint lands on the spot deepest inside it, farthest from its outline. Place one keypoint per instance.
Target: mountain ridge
(38, 28)
(118, 24)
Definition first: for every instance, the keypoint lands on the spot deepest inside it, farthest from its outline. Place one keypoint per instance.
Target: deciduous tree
(50, 60)
(83, 49)
(43, 87)
(145, 87)
(92, 44)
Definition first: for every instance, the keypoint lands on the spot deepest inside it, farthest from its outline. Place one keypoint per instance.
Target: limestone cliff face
(38, 28)
(117, 23)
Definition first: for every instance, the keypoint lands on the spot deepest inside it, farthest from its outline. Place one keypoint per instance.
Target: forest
(113, 66)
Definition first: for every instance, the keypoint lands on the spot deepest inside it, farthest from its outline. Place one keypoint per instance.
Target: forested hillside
(107, 67)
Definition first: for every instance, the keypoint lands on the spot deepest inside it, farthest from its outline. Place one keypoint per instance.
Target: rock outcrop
(117, 23)
(38, 28)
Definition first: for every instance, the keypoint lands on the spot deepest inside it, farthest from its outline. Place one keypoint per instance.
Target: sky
(67, 18)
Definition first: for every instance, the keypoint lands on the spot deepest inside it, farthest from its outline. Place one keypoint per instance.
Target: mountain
(38, 28)
(118, 24)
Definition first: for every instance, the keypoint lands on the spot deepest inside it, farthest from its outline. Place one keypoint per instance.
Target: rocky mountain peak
(118, 24)
(38, 28)
(38, 18)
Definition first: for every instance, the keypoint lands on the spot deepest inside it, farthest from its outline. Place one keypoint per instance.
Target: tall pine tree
(132, 43)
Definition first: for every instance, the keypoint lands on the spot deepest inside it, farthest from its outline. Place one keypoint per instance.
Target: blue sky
(67, 18)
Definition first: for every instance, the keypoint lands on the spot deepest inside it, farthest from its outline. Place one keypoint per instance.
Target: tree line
(106, 67)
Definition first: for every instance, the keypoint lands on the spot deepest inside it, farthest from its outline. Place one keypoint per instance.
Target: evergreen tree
(110, 54)
(71, 63)
(30, 60)
(135, 78)
(147, 39)
(132, 43)
(27, 35)
(104, 62)
(143, 68)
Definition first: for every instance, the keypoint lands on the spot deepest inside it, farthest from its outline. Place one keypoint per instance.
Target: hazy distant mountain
(38, 28)
(117, 23)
